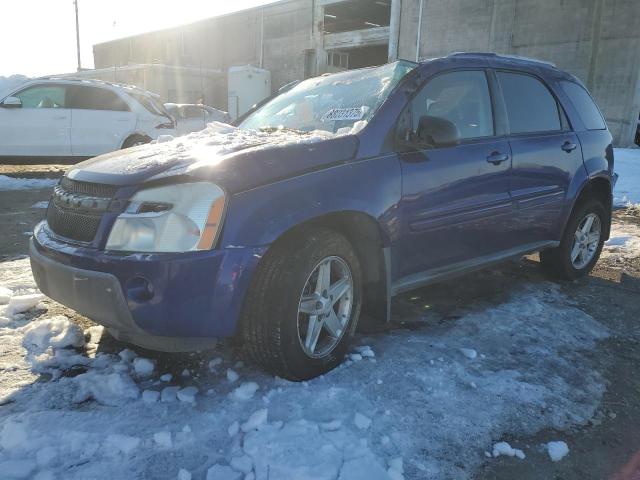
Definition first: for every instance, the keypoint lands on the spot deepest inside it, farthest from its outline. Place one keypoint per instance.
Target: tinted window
(95, 98)
(43, 96)
(583, 103)
(460, 97)
(530, 105)
(192, 112)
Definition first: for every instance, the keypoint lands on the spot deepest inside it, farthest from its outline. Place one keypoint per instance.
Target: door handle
(569, 146)
(497, 158)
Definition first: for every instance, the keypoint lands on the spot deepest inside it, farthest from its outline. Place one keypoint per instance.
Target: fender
(258, 217)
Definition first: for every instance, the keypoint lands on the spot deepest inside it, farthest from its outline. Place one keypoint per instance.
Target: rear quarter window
(530, 105)
(584, 104)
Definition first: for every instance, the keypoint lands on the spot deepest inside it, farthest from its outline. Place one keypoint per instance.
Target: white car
(68, 120)
(193, 118)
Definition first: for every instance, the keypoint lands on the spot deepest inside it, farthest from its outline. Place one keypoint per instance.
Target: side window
(95, 98)
(530, 105)
(583, 103)
(461, 98)
(43, 96)
(192, 112)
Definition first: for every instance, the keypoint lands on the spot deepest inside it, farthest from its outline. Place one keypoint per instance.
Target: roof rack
(500, 55)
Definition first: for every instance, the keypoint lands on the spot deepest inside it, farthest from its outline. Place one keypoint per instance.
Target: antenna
(75, 3)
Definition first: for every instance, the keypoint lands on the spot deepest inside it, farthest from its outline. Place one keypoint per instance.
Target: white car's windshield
(332, 102)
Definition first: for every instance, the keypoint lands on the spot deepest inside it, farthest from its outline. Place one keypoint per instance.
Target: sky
(38, 37)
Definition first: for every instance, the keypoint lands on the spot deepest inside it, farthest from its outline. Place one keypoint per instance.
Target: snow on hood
(210, 150)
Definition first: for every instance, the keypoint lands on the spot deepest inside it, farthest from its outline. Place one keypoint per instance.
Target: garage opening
(356, 15)
(359, 57)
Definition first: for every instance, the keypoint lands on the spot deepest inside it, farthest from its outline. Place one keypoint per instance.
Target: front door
(40, 127)
(456, 205)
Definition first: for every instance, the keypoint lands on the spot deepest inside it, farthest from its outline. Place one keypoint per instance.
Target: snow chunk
(331, 426)
(163, 439)
(5, 295)
(214, 363)
(22, 303)
(57, 332)
(242, 464)
(557, 450)
(503, 448)
(233, 429)
(245, 391)
(117, 443)
(184, 474)
(256, 419)
(187, 394)
(361, 421)
(355, 357)
(143, 366)
(396, 469)
(470, 353)
(169, 394)
(127, 355)
(223, 472)
(112, 389)
(232, 376)
(166, 377)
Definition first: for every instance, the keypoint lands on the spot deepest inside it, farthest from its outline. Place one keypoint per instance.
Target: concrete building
(597, 40)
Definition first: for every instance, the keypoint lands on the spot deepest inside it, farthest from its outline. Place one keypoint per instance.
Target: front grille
(76, 208)
(87, 188)
(73, 225)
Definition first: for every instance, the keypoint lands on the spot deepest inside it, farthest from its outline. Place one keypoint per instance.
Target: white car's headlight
(172, 218)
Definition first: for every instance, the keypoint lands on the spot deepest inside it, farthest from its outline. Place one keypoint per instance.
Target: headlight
(172, 218)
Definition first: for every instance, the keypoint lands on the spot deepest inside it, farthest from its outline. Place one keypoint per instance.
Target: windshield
(334, 103)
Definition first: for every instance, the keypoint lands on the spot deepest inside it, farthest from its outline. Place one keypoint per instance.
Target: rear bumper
(170, 302)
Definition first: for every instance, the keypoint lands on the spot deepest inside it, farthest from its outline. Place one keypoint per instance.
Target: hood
(235, 159)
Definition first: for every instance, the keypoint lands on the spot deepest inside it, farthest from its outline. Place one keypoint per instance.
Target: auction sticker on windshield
(353, 113)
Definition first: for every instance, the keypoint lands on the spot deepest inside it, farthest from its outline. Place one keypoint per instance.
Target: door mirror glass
(437, 131)
(11, 102)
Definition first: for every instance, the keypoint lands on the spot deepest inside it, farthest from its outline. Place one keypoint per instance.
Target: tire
(134, 141)
(558, 261)
(271, 321)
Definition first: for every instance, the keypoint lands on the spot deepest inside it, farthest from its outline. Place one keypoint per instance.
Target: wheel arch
(131, 135)
(600, 188)
(369, 243)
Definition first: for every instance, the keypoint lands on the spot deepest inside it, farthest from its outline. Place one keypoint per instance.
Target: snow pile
(623, 242)
(12, 183)
(143, 366)
(504, 449)
(56, 332)
(22, 303)
(106, 388)
(557, 450)
(627, 166)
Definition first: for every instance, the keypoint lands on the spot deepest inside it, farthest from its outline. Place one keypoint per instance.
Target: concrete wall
(275, 37)
(596, 40)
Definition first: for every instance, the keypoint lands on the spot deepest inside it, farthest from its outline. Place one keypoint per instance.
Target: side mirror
(11, 102)
(437, 132)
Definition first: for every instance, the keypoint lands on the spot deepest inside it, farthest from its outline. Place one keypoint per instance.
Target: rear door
(546, 155)
(101, 120)
(41, 127)
(455, 204)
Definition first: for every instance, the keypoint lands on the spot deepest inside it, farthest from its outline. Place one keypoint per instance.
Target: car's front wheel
(303, 305)
(581, 244)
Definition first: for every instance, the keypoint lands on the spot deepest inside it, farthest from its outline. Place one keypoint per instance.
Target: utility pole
(75, 3)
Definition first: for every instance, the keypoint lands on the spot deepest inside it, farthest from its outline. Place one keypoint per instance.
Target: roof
(93, 81)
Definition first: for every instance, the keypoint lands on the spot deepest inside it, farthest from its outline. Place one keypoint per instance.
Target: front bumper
(169, 302)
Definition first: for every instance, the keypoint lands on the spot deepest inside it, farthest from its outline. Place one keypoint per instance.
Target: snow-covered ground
(11, 183)
(415, 404)
(627, 165)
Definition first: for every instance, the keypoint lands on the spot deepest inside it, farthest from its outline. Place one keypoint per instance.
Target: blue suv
(320, 205)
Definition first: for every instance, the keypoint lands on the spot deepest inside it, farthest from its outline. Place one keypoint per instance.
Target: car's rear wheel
(303, 305)
(581, 244)
(135, 140)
